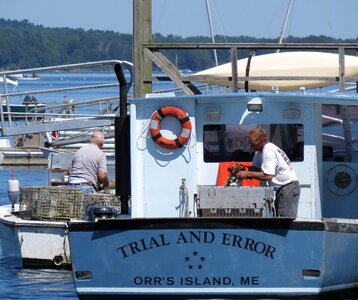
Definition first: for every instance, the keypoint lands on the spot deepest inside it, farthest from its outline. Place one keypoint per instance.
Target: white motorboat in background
(22, 76)
(8, 81)
(304, 64)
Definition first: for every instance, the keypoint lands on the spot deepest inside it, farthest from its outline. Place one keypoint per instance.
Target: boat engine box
(243, 201)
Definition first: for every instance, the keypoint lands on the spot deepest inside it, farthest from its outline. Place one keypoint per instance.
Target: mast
(211, 29)
(283, 30)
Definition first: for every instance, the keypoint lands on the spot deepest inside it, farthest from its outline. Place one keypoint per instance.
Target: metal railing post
(342, 74)
(233, 56)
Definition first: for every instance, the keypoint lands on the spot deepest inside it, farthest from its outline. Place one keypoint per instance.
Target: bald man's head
(97, 138)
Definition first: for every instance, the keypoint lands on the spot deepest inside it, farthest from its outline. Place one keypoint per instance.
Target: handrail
(37, 116)
(250, 46)
(70, 66)
(153, 52)
(75, 88)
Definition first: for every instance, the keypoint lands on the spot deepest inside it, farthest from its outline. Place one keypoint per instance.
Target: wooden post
(142, 33)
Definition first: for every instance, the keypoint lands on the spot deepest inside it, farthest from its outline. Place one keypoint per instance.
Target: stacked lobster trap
(61, 203)
(230, 201)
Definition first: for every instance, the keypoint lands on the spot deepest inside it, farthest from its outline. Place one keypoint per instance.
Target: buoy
(13, 188)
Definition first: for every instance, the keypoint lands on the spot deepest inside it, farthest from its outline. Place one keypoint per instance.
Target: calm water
(48, 284)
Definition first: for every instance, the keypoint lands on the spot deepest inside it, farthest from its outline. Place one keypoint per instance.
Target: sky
(257, 18)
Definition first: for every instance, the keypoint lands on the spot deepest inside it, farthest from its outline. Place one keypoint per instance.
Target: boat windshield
(340, 132)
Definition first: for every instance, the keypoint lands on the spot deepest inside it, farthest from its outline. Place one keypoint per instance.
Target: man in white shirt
(272, 164)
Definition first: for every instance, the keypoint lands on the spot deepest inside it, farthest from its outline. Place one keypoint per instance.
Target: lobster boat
(185, 234)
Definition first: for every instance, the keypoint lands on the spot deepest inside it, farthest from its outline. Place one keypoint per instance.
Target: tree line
(25, 45)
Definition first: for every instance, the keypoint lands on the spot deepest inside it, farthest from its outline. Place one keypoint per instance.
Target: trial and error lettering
(249, 244)
(133, 248)
(198, 237)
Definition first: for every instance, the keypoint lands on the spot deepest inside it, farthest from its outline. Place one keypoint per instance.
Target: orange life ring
(175, 112)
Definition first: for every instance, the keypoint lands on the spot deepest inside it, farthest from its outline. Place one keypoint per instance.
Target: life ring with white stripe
(177, 113)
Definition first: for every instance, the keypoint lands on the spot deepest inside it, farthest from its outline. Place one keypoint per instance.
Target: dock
(12, 156)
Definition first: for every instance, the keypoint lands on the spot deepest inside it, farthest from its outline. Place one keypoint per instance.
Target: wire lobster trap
(60, 203)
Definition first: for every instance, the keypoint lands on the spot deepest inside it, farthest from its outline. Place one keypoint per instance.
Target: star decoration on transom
(194, 261)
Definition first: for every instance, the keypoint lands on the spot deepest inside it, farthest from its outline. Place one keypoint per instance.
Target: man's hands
(102, 180)
(243, 175)
(236, 168)
(234, 171)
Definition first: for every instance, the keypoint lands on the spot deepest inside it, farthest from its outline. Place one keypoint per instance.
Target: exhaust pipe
(122, 144)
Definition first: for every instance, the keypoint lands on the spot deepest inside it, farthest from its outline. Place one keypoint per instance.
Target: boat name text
(203, 237)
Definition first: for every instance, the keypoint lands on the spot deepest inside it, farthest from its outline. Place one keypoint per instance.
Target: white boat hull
(33, 244)
(297, 63)
(8, 81)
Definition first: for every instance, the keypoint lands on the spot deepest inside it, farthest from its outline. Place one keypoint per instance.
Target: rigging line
(327, 9)
(275, 15)
(220, 22)
(160, 18)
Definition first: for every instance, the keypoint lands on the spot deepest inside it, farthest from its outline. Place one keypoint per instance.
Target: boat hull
(295, 63)
(33, 244)
(24, 111)
(212, 258)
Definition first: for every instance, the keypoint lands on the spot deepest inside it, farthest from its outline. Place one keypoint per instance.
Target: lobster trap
(243, 201)
(60, 203)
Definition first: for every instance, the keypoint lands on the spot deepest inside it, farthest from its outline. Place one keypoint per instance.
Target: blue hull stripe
(226, 291)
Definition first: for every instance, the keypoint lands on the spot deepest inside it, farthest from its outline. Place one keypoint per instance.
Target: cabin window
(228, 142)
(340, 132)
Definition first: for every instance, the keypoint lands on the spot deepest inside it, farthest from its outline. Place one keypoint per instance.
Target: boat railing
(70, 114)
(70, 109)
(156, 53)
